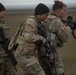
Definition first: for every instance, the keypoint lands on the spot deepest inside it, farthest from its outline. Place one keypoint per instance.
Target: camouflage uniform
(6, 67)
(53, 25)
(24, 53)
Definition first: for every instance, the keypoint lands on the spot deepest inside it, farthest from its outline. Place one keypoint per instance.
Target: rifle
(71, 24)
(50, 49)
(4, 42)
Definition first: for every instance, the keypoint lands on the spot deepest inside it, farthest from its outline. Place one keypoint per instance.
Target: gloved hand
(41, 38)
(44, 40)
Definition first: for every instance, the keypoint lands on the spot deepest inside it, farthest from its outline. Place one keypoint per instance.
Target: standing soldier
(58, 34)
(28, 36)
(6, 67)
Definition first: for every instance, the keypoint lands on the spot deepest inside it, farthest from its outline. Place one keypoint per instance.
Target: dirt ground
(67, 53)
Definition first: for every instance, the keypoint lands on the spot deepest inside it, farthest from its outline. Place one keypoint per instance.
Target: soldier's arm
(30, 31)
(62, 31)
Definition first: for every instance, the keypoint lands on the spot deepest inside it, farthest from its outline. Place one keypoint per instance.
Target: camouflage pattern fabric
(24, 53)
(29, 65)
(6, 66)
(56, 68)
(53, 25)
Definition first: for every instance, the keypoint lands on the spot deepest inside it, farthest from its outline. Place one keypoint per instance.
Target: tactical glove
(43, 39)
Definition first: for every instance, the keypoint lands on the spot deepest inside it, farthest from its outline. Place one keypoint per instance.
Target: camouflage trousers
(54, 68)
(28, 65)
(6, 66)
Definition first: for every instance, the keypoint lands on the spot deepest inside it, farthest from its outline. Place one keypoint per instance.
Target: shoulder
(51, 17)
(56, 20)
(31, 21)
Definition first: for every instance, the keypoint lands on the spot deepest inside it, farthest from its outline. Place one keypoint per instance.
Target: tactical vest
(17, 38)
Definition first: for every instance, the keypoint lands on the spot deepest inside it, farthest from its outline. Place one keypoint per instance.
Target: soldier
(26, 41)
(6, 66)
(58, 34)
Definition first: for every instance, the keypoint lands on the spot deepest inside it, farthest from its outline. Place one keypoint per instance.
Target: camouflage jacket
(29, 35)
(7, 35)
(57, 35)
